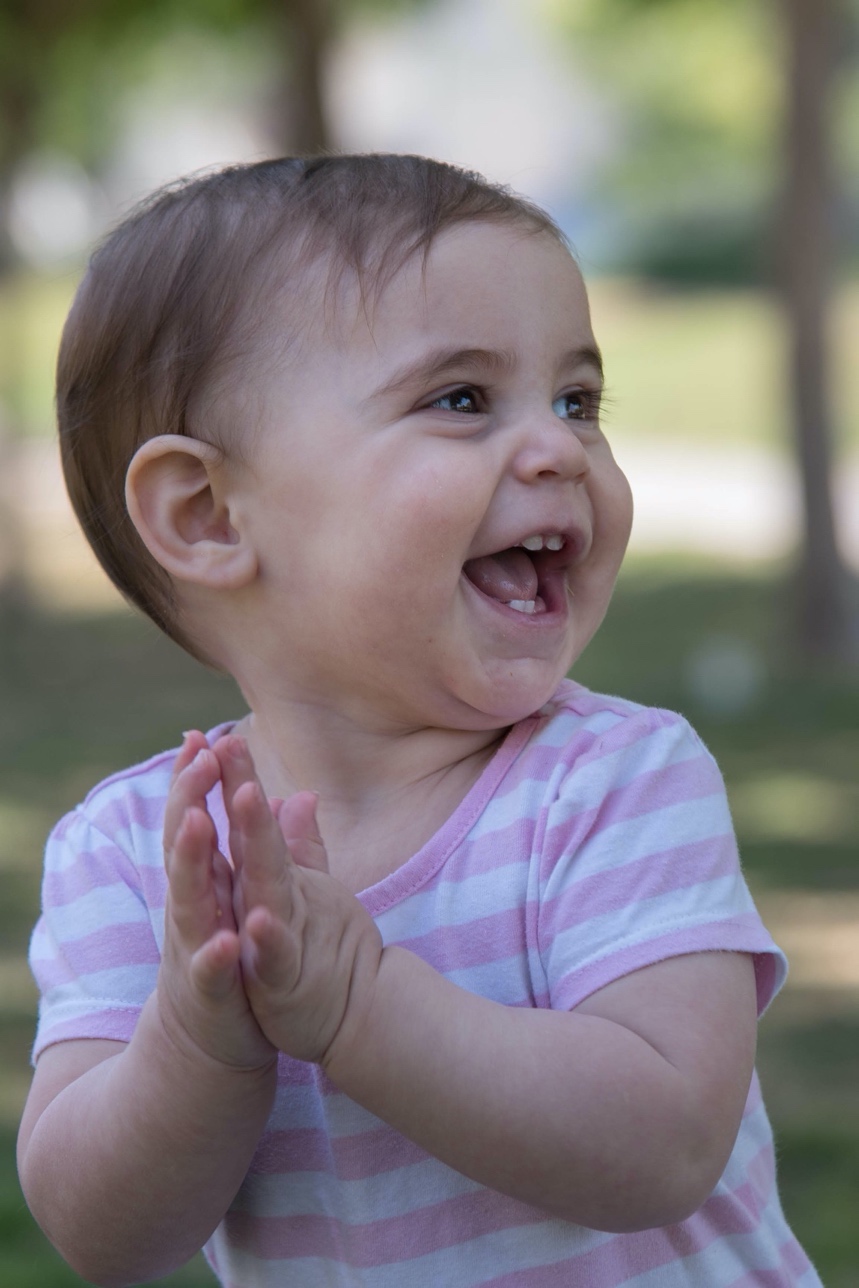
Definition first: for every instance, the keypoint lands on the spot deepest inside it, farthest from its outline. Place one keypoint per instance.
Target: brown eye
(578, 404)
(462, 400)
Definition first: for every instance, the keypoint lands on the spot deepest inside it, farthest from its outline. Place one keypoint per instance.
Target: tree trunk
(826, 628)
(308, 29)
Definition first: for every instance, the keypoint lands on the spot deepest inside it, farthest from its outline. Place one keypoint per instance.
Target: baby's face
(438, 517)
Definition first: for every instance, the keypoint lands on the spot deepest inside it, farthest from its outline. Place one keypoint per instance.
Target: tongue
(508, 575)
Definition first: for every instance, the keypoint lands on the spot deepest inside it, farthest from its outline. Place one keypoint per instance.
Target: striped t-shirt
(597, 841)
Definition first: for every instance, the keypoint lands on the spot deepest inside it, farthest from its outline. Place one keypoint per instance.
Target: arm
(620, 1115)
(129, 1155)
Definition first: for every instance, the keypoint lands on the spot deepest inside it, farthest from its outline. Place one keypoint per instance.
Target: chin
(507, 702)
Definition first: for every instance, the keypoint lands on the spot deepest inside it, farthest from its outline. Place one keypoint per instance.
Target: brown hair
(165, 306)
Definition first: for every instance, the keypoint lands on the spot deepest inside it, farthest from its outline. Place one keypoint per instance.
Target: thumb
(296, 818)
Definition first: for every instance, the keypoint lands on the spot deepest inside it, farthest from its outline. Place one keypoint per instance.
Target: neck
(383, 790)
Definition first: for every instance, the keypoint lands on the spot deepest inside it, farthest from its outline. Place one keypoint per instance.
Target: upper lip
(576, 542)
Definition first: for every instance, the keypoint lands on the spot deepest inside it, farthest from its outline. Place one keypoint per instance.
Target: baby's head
(180, 294)
(202, 354)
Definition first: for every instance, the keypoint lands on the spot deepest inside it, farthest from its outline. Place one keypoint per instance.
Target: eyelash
(591, 401)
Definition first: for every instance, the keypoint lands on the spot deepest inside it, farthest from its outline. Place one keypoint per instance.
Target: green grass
(82, 696)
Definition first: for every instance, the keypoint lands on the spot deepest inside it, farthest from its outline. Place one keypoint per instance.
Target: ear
(176, 491)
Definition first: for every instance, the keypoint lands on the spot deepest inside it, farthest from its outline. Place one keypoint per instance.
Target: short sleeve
(93, 952)
(640, 864)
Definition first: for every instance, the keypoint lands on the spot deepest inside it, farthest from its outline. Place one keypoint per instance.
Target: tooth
(554, 543)
(523, 605)
(532, 543)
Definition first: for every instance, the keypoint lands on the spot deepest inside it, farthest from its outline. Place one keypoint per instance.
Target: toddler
(436, 968)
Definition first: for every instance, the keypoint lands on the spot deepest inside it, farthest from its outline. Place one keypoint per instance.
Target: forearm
(131, 1167)
(572, 1113)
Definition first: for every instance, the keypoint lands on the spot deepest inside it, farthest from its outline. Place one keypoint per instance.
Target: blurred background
(703, 156)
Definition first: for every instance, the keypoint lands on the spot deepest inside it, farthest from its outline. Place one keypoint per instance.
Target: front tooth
(554, 543)
(532, 543)
(523, 605)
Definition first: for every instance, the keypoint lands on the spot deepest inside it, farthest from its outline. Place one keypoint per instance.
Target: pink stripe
(543, 760)
(474, 943)
(606, 1265)
(794, 1257)
(508, 845)
(651, 790)
(619, 889)
(794, 1263)
(118, 1025)
(378, 1243)
(110, 948)
(349, 1158)
(153, 887)
(764, 1279)
(105, 867)
(739, 934)
(131, 810)
(611, 1262)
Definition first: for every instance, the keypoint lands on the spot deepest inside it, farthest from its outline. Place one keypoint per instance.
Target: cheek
(614, 511)
(427, 525)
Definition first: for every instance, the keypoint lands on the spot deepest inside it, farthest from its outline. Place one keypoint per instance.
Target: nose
(551, 448)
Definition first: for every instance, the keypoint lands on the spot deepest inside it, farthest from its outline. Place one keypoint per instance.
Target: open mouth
(528, 577)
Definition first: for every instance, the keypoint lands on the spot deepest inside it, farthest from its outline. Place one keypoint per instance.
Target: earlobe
(177, 498)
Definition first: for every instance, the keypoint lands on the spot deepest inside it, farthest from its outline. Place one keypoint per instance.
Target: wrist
(395, 997)
(170, 1041)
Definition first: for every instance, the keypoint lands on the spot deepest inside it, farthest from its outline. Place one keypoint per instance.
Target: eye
(464, 400)
(577, 404)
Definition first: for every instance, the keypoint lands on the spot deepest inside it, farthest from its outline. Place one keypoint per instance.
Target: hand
(202, 1001)
(310, 951)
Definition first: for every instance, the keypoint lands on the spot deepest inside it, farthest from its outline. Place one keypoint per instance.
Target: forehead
(480, 279)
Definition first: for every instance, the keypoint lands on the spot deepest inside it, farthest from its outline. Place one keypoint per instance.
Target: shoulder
(125, 807)
(611, 740)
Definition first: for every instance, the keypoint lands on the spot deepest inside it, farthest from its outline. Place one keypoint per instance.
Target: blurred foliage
(65, 68)
(697, 89)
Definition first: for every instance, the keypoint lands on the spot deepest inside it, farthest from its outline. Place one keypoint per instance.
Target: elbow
(105, 1272)
(664, 1194)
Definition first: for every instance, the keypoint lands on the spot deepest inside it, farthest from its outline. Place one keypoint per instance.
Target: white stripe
(647, 835)
(612, 932)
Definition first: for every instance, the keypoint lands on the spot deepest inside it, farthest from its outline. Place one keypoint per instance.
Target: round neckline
(425, 862)
(421, 866)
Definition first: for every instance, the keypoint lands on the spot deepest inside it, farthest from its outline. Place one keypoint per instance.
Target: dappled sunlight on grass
(796, 806)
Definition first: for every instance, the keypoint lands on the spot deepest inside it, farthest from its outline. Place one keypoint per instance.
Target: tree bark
(826, 626)
(309, 27)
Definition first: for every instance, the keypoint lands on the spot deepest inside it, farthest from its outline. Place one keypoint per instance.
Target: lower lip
(554, 614)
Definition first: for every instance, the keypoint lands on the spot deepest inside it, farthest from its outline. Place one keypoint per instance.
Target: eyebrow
(438, 362)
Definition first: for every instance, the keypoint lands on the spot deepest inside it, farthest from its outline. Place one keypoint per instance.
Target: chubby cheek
(613, 509)
(421, 534)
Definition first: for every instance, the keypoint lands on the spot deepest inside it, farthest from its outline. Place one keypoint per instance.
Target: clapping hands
(267, 952)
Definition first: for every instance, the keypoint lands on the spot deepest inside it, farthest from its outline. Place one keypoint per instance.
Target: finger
(193, 899)
(222, 879)
(261, 856)
(214, 965)
(268, 950)
(190, 788)
(192, 742)
(236, 763)
(296, 818)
